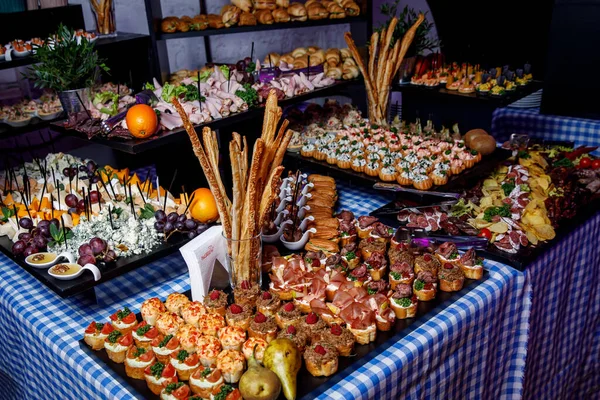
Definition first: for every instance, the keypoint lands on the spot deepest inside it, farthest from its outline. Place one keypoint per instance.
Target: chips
(499, 227)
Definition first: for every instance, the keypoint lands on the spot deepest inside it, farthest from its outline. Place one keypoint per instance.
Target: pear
(283, 358)
(258, 382)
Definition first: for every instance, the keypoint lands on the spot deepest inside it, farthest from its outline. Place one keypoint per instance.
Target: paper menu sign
(200, 255)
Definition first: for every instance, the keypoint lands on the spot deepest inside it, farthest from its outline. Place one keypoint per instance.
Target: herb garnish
(350, 256)
(508, 187)
(565, 162)
(404, 302)
(225, 390)
(502, 211)
(99, 326)
(139, 352)
(147, 212)
(142, 331)
(164, 342)
(371, 291)
(114, 336)
(157, 369)
(396, 275)
(182, 355)
(419, 285)
(123, 313)
(523, 154)
(171, 387)
(206, 372)
(7, 213)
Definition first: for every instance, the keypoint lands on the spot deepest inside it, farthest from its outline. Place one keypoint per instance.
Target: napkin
(200, 255)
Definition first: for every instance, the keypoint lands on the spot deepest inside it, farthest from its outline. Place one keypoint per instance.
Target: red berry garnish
(236, 309)
(320, 349)
(316, 263)
(245, 285)
(267, 295)
(291, 329)
(336, 329)
(260, 318)
(214, 295)
(427, 257)
(312, 318)
(448, 266)
(289, 307)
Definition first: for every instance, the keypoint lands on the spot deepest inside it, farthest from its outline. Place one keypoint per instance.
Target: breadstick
(370, 93)
(206, 167)
(408, 37)
(269, 195)
(373, 54)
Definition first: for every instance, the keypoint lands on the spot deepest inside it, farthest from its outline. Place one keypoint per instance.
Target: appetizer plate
(18, 124)
(46, 259)
(68, 271)
(308, 386)
(299, 245)
(48, 117)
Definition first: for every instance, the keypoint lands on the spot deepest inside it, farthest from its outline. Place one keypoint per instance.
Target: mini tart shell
(364, 336)
(95, 340)
(439, 180)
(344, 164)
(324, 369)
(358, 168)
(425, 294)
(425, 184)
(307, 153)
(155, 387)
(386, 177)
(136, 372)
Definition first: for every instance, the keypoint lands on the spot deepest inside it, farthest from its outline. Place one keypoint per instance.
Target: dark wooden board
(310, 387)
(109, 270)
(455, 183)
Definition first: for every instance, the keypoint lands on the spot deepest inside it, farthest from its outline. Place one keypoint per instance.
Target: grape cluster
(78, 205)
(95, 250)
(89, 169)
(169, 224)
(36, 239)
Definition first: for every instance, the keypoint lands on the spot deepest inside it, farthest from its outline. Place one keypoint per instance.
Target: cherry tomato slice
(147, 356)
(168, 371)
(152, 333)
(126, 340)
(486, 233)
(129, 318)
(91, 328)
(596, 163)
(182, 393)
(107, 328)
(192, 360)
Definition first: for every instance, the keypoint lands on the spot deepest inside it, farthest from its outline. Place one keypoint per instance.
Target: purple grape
(85, 250)
(43, 223)
(181, 218)
(172, 217)
(29, 250)
(91, 166)
(81, 204)
(94, 179)
(160, 216)
(71, 200)
(110, 256)
(87, 259)
(192, 234)
(18, 247)
(98, 245)
(55, 222)
(25, 236)
(82, 168)
(190, 224)
(179, 226)
(26, 223)
(66, 171)
(39, 242)
(201, 228)
(159, 226)
(44, 230)
(168, 227)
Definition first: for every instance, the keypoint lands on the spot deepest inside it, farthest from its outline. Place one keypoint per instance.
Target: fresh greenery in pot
(65, 65)
(406, 19)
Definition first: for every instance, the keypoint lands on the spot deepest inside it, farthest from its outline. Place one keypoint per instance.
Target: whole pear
(258, 382)
(283, 358)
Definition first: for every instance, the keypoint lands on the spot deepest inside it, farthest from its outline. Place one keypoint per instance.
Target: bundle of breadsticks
(104, 18)
(384, 63)
(254, 188)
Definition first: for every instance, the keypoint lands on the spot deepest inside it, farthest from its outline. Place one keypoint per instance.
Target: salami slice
(515, 238)
(422, 221)
(412, 218)
(403, 216)
(523, 239)
(434, 225)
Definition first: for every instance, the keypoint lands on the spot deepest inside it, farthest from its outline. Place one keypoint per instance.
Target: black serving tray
(526, 255)
(309, 387)
(456, 183)
(109, 270)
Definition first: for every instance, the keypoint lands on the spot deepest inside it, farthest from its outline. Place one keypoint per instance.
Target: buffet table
(508, 120)
(476, 348)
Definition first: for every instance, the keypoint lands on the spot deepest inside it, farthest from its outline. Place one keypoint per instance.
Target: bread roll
(287, 58)
(485, 144)
(349, 71)
(281, 15)
(297, 12)
(317, 12)
(334, 72)
(312, 49)
(472, 134)
(230, 15)
(244, 5)
(283, 3)
(350, 8)
(183, 25)
(309, 2)
(345, 53)
(265, 5)
(215, 21)
(300, 51)
(264, 16)
(272, 59)
(317, 58)
(335, 11)
(332, 55)
(169, 24)
(199, 23)
(301, 62)
(247, 19)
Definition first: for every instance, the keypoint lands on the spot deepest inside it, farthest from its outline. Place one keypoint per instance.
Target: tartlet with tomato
(143, 334)
(123, 320)
(185, 363)
(164, 346)
(159, 375)
(116, 345)
(175, 391)
(204, 380)
(137, 360)
(96, 333)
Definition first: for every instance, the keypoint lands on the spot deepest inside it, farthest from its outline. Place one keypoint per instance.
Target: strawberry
(246, 285)
(267, 296)
(235, 309)
(312, 318)
(260, 318)
(291, 329)
(336, 329)
(214, 295)
(289, 307)
(320, 350)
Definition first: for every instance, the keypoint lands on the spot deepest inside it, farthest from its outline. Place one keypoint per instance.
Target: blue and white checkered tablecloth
(506, 121)
(475, 348)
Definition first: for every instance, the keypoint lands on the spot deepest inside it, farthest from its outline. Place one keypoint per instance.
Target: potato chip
(499, 227)
(490, 183)
(531, 237)
(486, 202)
(480, 223)
(545, 232)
